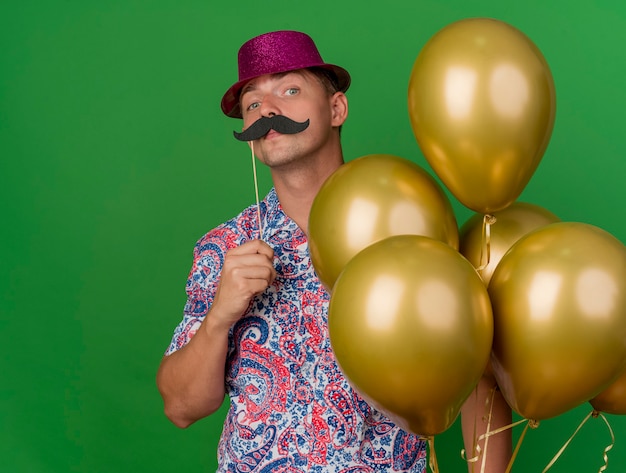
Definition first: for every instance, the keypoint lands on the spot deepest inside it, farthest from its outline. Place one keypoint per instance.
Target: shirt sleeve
(208, 259)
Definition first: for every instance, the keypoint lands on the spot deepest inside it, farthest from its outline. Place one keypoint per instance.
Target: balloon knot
(490, 219)
(533, 424)
(595, 413)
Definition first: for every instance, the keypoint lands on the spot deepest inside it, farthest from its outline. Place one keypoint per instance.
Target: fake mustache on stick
(263, 125)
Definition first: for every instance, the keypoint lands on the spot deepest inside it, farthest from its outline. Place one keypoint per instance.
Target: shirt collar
(273, 217)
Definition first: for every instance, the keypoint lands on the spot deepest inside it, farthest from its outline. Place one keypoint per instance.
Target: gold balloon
(411, 327)
(482, 104)
(369, 199)
(559, 299)
(613, 399)
(510, 225)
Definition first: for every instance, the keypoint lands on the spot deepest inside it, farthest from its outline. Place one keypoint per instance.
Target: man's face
(299, 96)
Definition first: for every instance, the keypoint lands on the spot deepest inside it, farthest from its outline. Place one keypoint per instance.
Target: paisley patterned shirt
(291, 409)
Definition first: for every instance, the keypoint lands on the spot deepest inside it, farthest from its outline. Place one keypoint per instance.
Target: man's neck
(297, 190)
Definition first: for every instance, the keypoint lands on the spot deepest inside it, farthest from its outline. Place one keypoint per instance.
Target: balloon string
(256, 190)
(475, 446)
(529, 423)
(607, 449)
(432, 463)
(489, 417)
(533, 424)
(507, 427)
(562, 449)
(485, 247)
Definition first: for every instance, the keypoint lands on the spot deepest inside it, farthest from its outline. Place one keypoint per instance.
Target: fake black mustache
(263, 125)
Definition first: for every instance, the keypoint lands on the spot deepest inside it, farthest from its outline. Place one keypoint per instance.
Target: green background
(115, 159)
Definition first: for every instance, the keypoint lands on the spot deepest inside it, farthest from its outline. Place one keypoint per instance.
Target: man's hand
(247, 271)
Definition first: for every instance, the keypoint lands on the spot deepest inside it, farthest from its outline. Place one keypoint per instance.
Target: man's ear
(339, 108)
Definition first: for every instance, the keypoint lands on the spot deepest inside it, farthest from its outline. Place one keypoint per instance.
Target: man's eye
(252, 106)
(292, 91)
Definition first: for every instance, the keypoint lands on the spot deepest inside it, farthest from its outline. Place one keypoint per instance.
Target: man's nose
(269, 106)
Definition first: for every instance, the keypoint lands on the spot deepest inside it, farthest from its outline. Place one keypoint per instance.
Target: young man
(255, 322)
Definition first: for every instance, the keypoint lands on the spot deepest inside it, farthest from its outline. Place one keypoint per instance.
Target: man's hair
(329, 81)
(327, 78)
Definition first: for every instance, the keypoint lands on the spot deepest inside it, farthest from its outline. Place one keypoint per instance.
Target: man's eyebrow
(247, 88)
